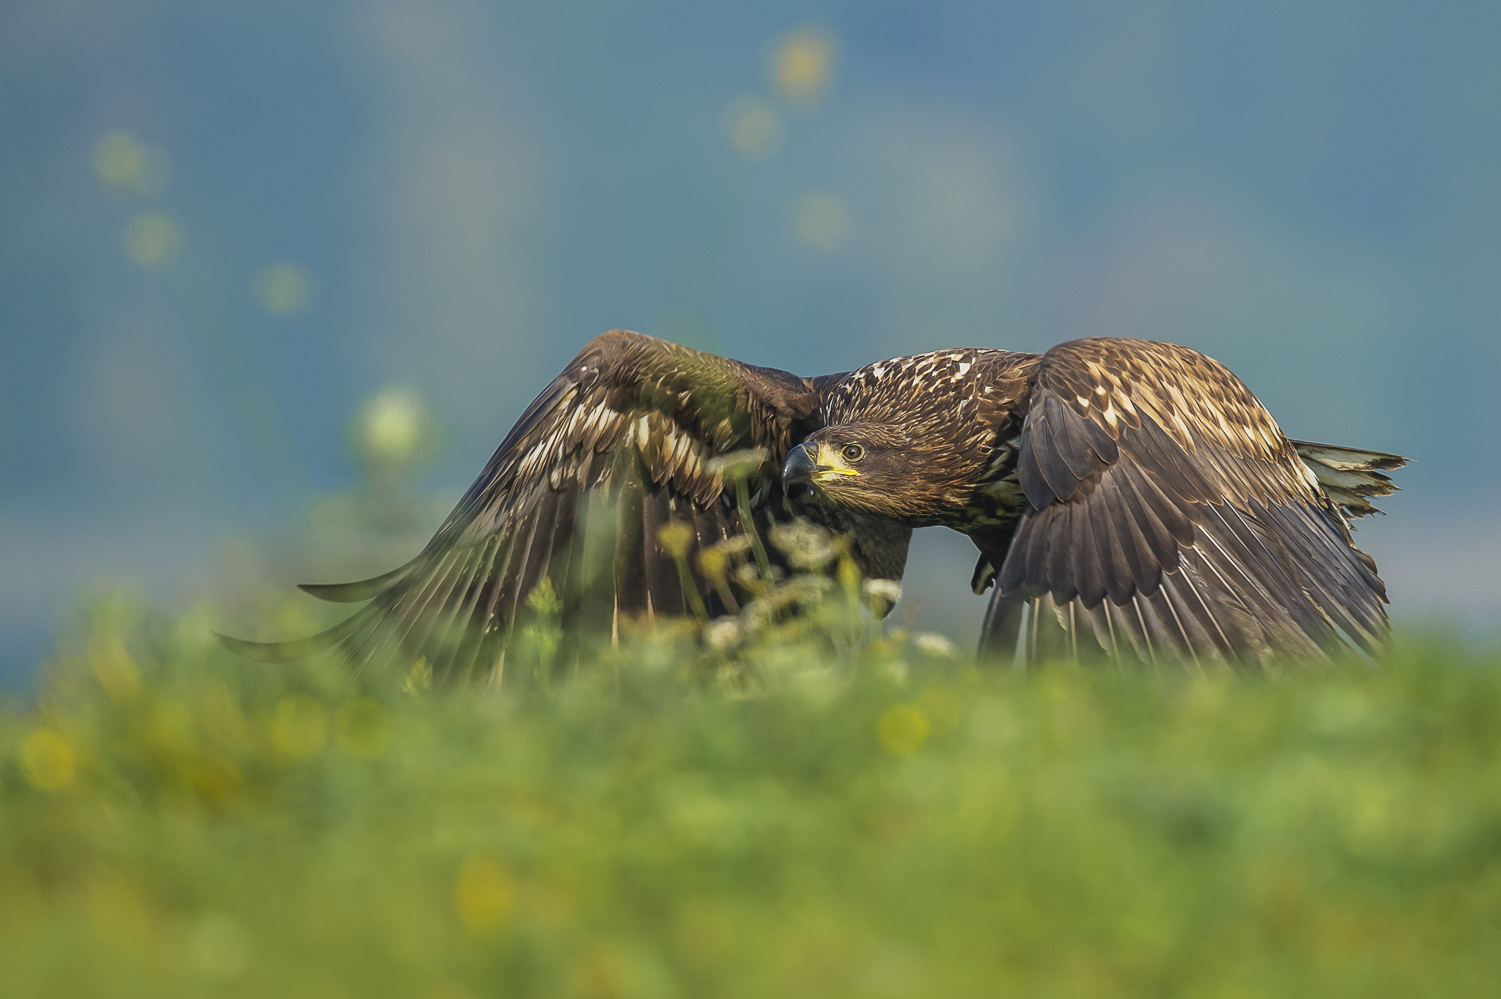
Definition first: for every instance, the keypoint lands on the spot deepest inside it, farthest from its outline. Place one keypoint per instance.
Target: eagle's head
(868, 467)
(911, 438)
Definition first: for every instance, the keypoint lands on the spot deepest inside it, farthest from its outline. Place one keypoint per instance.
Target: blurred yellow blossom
(484, 893)
(299, 726)
(802, 64)
(49, 760)
(113, 667)
(676, 538)
(753, 128)
(284, 288)
(902, 729)
(153, 240)
(738, 464)
(116, 911)
(395, 427)
(123, 162)
(419, 677)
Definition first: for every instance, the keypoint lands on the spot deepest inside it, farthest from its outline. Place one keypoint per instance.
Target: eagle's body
(1128, 498)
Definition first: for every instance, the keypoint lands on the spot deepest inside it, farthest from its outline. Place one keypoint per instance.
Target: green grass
(808, 819)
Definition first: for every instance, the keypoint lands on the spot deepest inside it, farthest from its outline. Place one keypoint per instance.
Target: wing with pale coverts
(1169, 518)
(619, 445)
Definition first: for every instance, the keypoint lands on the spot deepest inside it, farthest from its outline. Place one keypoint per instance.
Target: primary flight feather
(1128, 499)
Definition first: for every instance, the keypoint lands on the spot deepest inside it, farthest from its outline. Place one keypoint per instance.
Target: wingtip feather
(349, 593)
(261, 652)
(297, 648)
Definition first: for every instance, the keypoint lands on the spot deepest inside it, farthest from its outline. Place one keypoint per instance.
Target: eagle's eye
(853, 452)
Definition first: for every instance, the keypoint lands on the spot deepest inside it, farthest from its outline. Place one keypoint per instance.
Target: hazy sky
(224, 225)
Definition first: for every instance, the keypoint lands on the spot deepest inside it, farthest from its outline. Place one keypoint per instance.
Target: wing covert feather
(1168, 515)
(616, 447)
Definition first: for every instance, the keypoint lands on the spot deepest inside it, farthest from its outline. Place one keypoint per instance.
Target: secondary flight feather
(1129, 499)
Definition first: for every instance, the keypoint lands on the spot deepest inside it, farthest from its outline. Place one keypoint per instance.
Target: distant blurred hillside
(225, 227)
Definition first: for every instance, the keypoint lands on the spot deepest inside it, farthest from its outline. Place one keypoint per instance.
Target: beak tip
(797, 472)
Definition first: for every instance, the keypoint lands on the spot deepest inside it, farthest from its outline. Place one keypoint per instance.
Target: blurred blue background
(224, 226)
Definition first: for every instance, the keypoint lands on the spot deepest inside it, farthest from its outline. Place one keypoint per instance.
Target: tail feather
(1349, 475)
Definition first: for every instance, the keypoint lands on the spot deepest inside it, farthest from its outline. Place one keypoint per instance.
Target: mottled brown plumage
(1128, 498)
(1168, 516)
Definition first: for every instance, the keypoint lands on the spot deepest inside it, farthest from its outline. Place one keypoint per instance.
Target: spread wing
(1168, 517)
(618, 446)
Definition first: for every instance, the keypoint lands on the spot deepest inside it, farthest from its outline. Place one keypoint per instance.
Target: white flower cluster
(930, 643)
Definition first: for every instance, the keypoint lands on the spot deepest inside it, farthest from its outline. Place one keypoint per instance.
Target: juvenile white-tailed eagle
(1128, 499)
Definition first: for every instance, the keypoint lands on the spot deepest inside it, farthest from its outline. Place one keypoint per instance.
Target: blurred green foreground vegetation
(876, 820)
(818, 806)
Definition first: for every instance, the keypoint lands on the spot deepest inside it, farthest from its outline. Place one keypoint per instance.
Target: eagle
(1129, 499)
